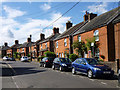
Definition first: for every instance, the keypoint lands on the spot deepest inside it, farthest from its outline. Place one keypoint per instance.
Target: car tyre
(40, 65)
(73, 71)
(60, 68)
(44, 65)
(53, 67)
(90, 74)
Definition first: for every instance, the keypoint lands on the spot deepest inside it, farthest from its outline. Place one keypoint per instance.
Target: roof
(100, 21)
(50, 38)
(71, 30)
(26, 44)
(5, 47)
(117, 19)
(15, 45)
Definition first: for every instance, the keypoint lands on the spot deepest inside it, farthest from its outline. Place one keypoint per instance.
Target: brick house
(23, 49)
(4, 49)
(47, 43)
(103, 29)
(13, 49)
(63, 43)
(34, 49)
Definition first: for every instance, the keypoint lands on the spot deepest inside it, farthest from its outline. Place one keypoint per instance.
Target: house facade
(46, 44)
(103, 29)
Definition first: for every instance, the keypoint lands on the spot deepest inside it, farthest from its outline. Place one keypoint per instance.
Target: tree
(88, 44)
(80, 47)
(73, 57)
(50, 54)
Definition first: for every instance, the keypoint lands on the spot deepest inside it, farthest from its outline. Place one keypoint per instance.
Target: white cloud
(33, 26)
(101, 8)
(12, 13)
(45, 7)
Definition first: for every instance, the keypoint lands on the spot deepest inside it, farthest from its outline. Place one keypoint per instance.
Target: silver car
(24, 59)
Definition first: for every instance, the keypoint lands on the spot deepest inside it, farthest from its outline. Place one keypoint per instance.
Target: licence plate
(106, 72)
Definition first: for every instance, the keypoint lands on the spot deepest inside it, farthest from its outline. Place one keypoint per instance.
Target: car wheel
(73, 71)
(90, 74)
(40, 65)
(44, 65)
(53, 67)
(60, 68)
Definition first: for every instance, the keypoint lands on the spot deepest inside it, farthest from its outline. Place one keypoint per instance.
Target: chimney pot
(55, 30)
(68, 25)
(16, 41)
(6, 44)
(28, 39)
(42, 36)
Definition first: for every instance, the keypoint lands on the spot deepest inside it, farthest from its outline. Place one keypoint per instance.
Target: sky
(20, 19)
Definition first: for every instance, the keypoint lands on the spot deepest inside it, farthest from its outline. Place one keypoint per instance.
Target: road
(16, 74)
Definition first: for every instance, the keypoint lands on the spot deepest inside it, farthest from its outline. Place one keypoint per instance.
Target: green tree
(73, 57)
(88, 44)
(80, 48)
(50, 54)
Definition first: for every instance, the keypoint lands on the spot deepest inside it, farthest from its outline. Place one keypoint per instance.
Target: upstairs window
(96, 35)
(46, 45)
(57, 44)
(79, 38)
(41, 46)
(23, 49)
(65, 42)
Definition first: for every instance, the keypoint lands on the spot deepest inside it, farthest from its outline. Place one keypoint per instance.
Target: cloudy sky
(20, 19)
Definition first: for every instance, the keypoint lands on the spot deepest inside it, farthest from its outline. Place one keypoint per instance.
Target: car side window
(83, 61)
(77, 61)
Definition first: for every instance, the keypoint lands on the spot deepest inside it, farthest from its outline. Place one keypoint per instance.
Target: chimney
(28, 39)
(55, 30)
(42, 36)
(86, 16)
(91, 16)
(6, 44)
(16, 41)
(68, 25)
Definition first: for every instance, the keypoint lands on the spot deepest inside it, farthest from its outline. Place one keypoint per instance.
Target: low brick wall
(113, 65)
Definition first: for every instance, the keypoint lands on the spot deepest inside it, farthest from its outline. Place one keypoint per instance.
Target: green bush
(73, 57)
(50, 54)
(40, 58)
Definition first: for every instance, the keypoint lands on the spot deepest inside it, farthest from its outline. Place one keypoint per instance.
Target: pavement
(16, 74)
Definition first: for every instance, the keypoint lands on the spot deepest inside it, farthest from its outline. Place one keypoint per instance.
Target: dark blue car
(91, 67)
(62, 64)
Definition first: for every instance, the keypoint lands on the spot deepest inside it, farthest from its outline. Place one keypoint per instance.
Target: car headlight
(97, 69)
(64, 65)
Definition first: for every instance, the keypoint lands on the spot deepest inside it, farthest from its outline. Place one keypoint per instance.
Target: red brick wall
(102, 40)
(117, 40)
(61, 47)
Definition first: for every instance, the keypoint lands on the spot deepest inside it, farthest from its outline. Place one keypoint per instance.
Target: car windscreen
(92, 61)
(65, 60)
(24, 57)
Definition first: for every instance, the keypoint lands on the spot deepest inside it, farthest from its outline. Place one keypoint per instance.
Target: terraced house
(63, 43)
(23, 49)
(106, 30)
(4, 49)
(13, 49)
(47, 44)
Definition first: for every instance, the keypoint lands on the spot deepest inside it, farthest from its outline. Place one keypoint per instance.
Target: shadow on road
(115, 77)
(19, 71)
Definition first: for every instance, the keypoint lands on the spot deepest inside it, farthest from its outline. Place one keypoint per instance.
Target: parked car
(11, 59)
(24, 59)
(91, 67)
(62, 64)
(46, 62)
(5, 58)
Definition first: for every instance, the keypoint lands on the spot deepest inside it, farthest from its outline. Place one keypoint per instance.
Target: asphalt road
(16, 74)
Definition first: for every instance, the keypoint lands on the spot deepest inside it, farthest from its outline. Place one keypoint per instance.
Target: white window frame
(41, 46)
(46, 45)
(56, 44)
(22, 49)
(59, 54)
(62, 54)
(96, 35)
(65, 42)
(79, 38)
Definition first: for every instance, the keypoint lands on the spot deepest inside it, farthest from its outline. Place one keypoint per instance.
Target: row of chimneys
(87, 17)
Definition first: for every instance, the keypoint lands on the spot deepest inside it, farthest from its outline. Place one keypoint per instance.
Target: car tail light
(46, 61)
